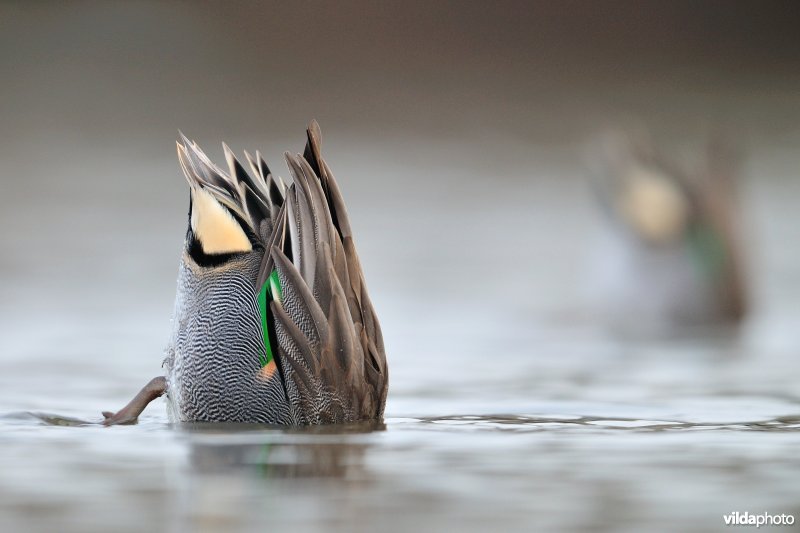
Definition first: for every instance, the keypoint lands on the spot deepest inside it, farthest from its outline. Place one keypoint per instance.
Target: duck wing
(328, 340)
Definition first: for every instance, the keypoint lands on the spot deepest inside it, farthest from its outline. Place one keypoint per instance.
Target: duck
(272, 322)
(670, 253)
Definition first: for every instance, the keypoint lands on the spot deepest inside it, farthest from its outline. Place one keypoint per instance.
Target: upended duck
(672, 256)
(272, 321)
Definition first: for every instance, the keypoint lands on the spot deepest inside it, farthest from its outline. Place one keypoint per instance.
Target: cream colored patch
(215, 228)
(654, 205)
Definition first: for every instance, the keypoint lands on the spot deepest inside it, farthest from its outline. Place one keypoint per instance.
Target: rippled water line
(500, 422)
(523, 423)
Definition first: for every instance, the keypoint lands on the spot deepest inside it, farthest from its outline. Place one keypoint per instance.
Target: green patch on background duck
(708, 249)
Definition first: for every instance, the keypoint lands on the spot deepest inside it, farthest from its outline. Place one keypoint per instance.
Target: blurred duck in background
(670, 256)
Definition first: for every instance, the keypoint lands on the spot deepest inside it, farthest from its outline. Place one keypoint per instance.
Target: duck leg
(128, 414)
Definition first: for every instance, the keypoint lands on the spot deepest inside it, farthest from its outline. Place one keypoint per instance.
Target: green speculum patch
(708, 250)
(269, 292)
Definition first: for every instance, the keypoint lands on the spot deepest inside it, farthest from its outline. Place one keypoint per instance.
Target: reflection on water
(216, 449)
(309, 460)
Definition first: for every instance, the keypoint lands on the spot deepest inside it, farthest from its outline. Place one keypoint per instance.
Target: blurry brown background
(121, 72)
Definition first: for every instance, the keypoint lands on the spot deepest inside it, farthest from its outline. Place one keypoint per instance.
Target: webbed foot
(130, 413)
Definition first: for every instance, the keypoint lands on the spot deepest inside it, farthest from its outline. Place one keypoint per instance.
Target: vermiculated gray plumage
(331, 365)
